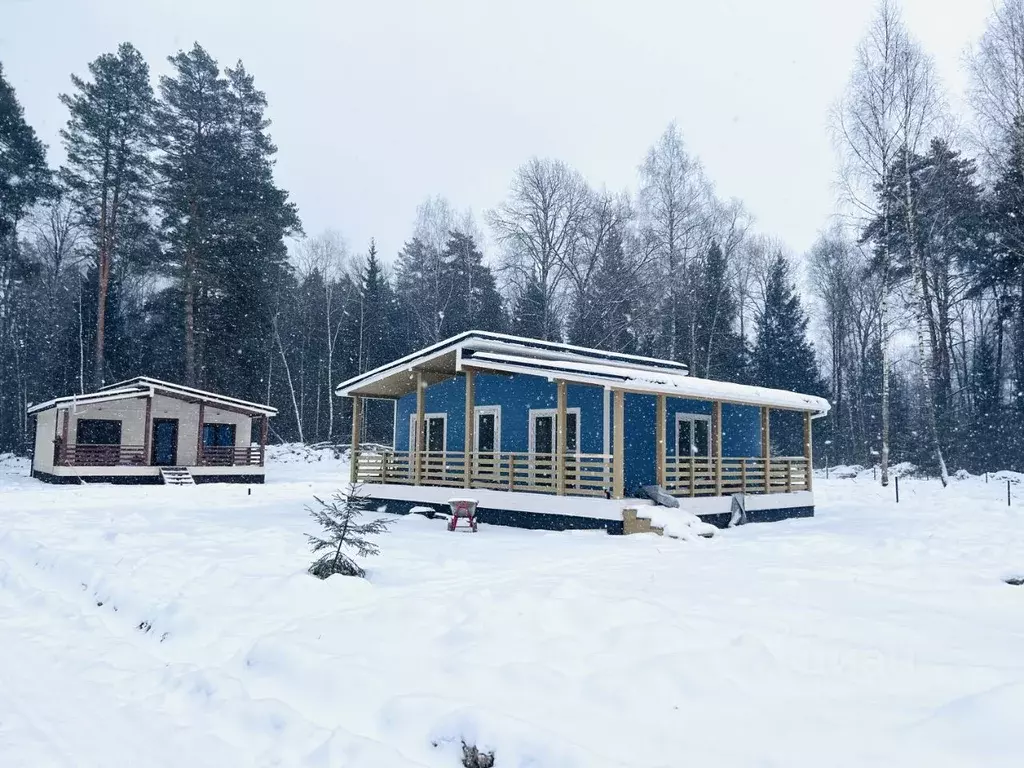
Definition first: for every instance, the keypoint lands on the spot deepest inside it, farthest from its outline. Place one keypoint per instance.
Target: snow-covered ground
(154, 626)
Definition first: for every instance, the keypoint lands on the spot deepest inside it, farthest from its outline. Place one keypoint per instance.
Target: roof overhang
(511, 355)
(147, 387)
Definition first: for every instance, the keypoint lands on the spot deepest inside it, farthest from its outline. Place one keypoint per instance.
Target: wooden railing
(103, 456)
(698, 476)
(585, 474)
(231, 456)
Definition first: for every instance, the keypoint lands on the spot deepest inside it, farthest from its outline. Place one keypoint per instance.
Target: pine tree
(192, 135)
(224, 219)
(108, 139)
(338, 517)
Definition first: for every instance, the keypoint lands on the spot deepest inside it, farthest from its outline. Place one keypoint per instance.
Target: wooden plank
(199, 436)
(469, 447)
(659, 439)
(619, 442)
(264, 426)
(808, 453)
(418, 434)
(148, 437)
(717, 425)
(766, 446)
(561, 445)
(357, 413)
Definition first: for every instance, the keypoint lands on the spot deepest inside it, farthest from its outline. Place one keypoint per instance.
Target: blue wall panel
(517, 394)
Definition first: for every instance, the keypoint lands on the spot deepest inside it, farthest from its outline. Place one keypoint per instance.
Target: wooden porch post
(469, 452)
(357, 417)
(199, 436)
(619, 445)
(561, 443)
(808, 456)
(659, 440)
(420, 418)
(147, 450)
(717, 430)
(64, 436)
(766, 446)
(264, 426)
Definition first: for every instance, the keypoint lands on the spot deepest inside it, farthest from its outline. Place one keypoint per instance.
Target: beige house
(150, 431)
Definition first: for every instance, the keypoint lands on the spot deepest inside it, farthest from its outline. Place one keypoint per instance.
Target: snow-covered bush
(474, 758)
(338, 517)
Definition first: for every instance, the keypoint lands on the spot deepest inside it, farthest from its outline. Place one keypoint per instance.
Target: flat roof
(480, 350)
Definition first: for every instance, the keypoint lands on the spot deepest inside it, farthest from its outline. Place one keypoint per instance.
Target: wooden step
(176, 476)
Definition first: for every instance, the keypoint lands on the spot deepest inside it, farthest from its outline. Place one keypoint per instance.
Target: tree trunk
(923, 317)
(103, 280)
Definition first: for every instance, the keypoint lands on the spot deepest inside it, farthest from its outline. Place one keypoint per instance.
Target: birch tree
(866, 124)
(540, 226)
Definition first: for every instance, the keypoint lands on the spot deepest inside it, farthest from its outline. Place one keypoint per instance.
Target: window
(543, 438)
(98, 432)
(693, 435)
(487, 435)
(435, 427)
(218, 435)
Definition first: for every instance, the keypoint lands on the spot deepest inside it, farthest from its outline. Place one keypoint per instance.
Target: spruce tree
(615, 295)
(24, 175)
(108, 139)
(782, 357)
(477, 303)
(720, 352)
(341, 530)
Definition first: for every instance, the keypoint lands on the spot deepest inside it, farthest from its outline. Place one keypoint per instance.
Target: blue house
(549, 435)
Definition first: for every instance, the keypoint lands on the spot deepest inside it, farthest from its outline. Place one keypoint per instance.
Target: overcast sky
(378, 104)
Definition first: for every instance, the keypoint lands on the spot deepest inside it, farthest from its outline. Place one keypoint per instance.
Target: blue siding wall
(517, 394)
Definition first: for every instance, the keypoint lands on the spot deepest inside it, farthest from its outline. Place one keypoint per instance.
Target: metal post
(897, 489)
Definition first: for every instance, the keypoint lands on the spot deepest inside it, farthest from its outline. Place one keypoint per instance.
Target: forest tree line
(162, 246)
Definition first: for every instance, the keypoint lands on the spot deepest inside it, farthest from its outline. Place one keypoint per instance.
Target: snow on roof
(665, 383)
(470, 341)
(143, 386)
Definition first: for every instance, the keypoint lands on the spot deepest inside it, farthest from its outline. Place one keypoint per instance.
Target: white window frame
(690, 419)
(483, 410)
(553, 412)
(426, 419)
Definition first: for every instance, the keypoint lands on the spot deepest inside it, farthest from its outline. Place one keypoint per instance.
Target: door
(543, 441)
(487, 438)
(693, 435)
(165, 442)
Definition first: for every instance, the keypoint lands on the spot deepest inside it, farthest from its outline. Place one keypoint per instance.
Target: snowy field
(153, 626)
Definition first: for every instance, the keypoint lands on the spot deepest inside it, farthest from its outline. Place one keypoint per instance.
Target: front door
(165, 442)
(543, 441)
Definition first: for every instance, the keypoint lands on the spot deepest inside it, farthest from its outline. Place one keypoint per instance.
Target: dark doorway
(165, 442)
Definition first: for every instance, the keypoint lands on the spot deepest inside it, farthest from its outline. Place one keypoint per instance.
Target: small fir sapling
(339, 519)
